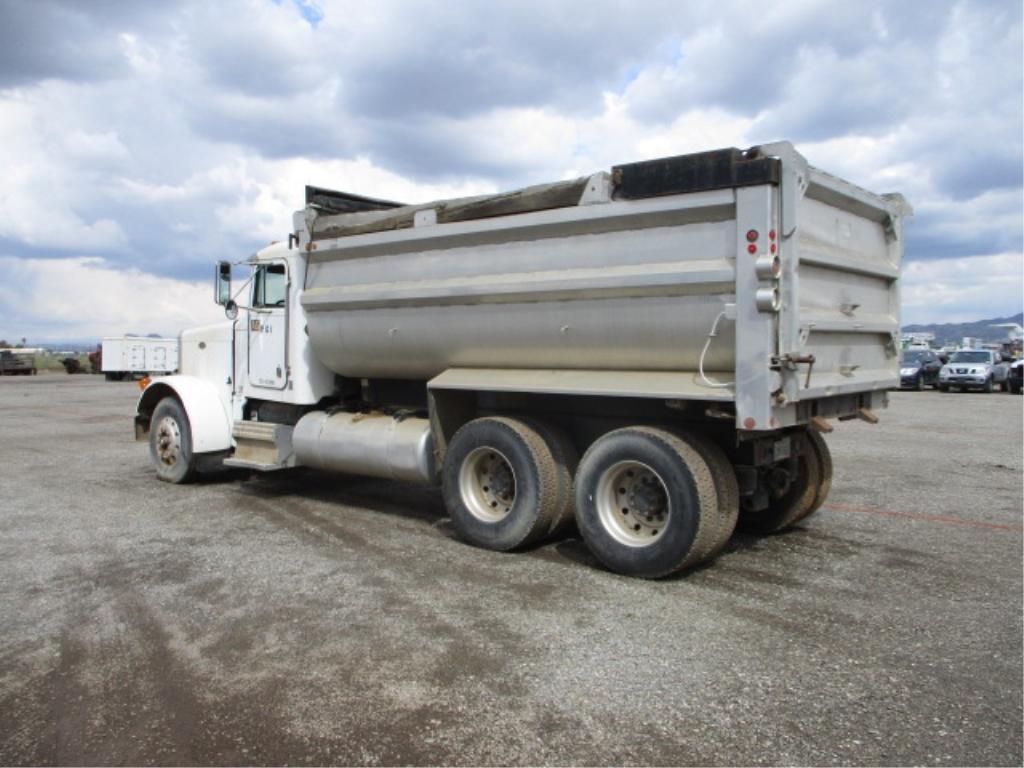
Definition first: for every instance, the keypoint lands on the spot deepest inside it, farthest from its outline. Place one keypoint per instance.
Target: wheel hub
(487, 484)
(168, 441)
(778, 481)
(632, 503)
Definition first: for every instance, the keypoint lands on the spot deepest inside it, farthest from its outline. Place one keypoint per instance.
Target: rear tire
(646, 503)
(503, 484)
(825, 482)
(726, 486)
(170, 443)
(566, 459)
(799, 498)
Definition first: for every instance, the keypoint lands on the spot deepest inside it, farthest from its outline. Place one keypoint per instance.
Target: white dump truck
(652, 352)
(125, 357)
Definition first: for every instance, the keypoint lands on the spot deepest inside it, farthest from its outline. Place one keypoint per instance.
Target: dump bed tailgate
(844, 291)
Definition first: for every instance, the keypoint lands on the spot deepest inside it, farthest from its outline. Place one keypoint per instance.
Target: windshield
(914, 356)
(969, 356)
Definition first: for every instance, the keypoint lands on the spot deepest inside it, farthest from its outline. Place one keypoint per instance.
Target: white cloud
(961, 290)
(164, 136)
(84, 297)
(39, 199)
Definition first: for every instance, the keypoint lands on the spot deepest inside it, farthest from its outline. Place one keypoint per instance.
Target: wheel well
(584, 418)
(147, 404)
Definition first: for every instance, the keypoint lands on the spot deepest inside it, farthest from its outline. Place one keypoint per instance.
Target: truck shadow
(304, 491)
(340, 491)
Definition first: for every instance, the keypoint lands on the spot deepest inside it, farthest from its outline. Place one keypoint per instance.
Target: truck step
(258, 466)
(262, 445)
(260, 431)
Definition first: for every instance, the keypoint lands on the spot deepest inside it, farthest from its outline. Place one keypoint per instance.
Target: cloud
(960, 290)
(161, 137)
(85, 297)
(38, 205)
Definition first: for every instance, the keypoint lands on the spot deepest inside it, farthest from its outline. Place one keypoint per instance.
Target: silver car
(974, 369)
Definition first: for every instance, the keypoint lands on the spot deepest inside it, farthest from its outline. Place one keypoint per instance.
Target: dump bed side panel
(626, 285)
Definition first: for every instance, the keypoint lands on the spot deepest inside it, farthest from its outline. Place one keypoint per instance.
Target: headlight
(908, 371)
(943, 372)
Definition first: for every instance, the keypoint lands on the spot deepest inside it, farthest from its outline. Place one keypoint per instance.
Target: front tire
(987, 389)
(646, 503)
(170, 443)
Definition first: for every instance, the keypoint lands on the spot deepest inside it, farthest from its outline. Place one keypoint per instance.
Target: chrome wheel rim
(168, 441)
(487, 484)
(632, 503)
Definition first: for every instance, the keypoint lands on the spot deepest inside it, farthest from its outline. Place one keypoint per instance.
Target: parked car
(15, 363)
(919, 367)
(1015, 381)
(974, 369)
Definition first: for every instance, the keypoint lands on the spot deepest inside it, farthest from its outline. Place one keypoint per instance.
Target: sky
(140, 142)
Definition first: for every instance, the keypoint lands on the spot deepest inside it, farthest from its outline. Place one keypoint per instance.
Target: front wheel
(170, 443)
(987, 389)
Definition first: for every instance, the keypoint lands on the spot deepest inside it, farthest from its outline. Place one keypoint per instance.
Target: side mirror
(222, 289)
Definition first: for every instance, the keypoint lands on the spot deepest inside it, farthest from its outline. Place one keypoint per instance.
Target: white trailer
(125, 357)
(652, 351)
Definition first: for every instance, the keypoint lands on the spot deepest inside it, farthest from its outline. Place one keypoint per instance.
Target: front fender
(207, 416)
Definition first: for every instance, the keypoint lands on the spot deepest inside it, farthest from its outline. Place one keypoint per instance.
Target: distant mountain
(953, 333)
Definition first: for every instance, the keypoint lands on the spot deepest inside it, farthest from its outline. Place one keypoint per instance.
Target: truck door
(268, 327)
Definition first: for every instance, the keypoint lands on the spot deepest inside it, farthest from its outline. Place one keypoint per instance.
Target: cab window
(270, 286)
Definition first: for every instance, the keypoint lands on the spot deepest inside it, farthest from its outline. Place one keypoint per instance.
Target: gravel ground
(307, 618)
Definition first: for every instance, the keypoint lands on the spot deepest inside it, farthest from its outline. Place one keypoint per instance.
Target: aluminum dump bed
(746, 278)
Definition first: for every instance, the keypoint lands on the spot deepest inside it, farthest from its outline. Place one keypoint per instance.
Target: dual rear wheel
(647, 501)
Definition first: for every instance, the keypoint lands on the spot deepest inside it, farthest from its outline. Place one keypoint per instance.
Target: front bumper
(965, 381)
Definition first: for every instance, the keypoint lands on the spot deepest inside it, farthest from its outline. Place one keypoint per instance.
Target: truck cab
(257, 360)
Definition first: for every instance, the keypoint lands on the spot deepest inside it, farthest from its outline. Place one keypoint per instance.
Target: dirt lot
(305, 618)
